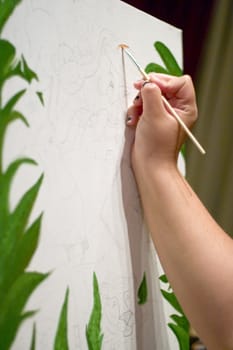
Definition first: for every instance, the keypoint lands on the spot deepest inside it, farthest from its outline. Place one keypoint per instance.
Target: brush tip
(123, 46)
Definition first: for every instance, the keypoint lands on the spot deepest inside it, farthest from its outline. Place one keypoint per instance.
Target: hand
(158, 136)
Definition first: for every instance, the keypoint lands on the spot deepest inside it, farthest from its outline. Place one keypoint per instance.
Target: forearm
(196, 254)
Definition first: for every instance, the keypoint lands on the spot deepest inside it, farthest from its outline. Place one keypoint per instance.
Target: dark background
(192, 16)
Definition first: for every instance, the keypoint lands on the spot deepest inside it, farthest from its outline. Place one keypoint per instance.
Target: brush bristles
(123, 46)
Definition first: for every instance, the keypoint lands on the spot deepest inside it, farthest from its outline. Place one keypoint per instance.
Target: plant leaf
(20, 216)
(10, 66)
(181, 321)
(16, 264)
(183, 151)
(169, 60)
(171, 298)
(40, 96)
(14, 115)
(17, 223)
(93, 329)
(13, 304)
(33, 340)
(5, 183)
(61, 338)
(7, 57)
(181, 335)
(27, 73)
(6, 9)
(154, 67)
(163, 278)
(12, 101)
(143, 291)
(28, 314)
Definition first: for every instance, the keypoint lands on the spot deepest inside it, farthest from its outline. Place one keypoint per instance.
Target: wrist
(154, 167)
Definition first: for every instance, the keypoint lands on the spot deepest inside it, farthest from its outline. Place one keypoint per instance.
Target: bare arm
(196, 254)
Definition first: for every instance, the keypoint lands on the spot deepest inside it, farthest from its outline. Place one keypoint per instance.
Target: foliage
(6, 9)
(171, 65)
(180, 325)
(94, 335)
(61, 338)
(18, 240)
(143, 291)
(33, 340)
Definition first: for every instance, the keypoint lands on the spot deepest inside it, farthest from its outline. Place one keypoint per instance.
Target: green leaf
(12, 102)
(163, 278)
(181, 335)
(10, 66)
(7, 57)
(143, 291)
(169, 60)
(154, 67)
(171, 298)
(17, 224)
(181, 321)
(13, 304)
(15, 115)
(40, 96)
(33, 340)
(28, 314)
(5, 184)
(8, 115)
(20, 216)
(6, 9)
(183, 151)
(61, 338)
(27, 73)
(93, 329)
(15, 264)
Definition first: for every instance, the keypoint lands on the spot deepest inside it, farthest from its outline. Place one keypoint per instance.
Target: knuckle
(193, 114)
(188, 80)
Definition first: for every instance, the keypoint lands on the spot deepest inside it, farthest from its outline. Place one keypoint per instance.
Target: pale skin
(196, 254)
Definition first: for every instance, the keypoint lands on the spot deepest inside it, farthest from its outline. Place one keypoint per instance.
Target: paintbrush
(146, 77)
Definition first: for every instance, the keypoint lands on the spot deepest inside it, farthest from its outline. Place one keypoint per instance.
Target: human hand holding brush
(158, 135)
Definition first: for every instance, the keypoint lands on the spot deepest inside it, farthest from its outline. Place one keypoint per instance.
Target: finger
(152, 100)
(138, 100)
(153, 77)
(180, 93)
(132, 120)
(133, 114)
(180, 87)
(138, 84)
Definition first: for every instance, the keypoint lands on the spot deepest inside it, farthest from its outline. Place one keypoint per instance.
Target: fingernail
(129, 120)
(146, 82)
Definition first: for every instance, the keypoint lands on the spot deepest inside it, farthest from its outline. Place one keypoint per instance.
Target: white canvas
(92, 216)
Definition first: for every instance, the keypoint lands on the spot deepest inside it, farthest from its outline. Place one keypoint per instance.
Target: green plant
(18, 241)
(180, 325)
(94, 335)
(61, 338)
(143, 291)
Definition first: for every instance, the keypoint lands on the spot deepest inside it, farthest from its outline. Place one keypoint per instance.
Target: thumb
(152, 100)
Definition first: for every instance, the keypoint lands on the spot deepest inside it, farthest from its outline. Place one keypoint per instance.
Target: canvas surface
(92, 216)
